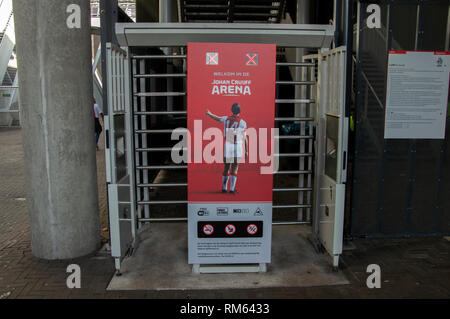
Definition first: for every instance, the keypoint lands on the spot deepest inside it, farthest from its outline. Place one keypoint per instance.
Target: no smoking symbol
(208, 229)
(252, 229)
(230, 229)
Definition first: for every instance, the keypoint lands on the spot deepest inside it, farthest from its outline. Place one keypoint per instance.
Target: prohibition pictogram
(212, 58)
(252, 229)
(208, 229)
(230, 229)
(251, 59)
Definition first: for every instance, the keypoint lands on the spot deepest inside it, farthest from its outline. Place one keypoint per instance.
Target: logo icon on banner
(252, 229)
(203, 212)
(208, 229)
(251, 59)
(258, 212)
(240, 210)
(212, 58)
(230, 229)
(222, 211)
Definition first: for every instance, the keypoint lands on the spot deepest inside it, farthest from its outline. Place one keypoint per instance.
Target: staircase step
(9, 77)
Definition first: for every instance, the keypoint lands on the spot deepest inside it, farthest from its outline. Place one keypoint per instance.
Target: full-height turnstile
(140, 110)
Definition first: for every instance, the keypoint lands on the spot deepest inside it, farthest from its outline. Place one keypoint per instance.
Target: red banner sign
(230, 86)
(231, 110)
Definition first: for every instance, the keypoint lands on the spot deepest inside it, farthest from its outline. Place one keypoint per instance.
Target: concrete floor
(160, 263)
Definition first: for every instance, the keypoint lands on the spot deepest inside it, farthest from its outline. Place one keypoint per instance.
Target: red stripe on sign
(442, 53)
(397, 52)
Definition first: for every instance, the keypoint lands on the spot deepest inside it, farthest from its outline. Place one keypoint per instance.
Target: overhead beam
(179, 34)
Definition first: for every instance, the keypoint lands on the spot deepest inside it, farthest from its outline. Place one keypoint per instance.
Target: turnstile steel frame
(174, 34)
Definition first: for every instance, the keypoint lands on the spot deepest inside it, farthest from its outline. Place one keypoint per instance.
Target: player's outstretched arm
(213, 116)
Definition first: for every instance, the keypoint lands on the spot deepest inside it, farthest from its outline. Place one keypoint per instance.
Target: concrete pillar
(54, 63)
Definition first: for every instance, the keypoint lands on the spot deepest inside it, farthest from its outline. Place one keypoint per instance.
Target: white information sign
(229, 233)
(417, 95)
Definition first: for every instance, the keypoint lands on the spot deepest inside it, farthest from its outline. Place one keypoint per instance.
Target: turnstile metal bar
(294, 137)
(159, 131)
(162, 185)
(311, 94)
(155, 220)
(281, 101)
(294, 154)
(302, 111)
(299, 64)
(292, 189)
(160, 94)
(161, 113)
(174, 56)
(305, 74)
(162, 202)
(290, 206)
(292, 172)
(162, 167)
(136, 142)
(290, 223)
(168, 75)
(303, 119)
(138, 174)
(144, 142)
(185, 130)
(295, 83)
(159, 149)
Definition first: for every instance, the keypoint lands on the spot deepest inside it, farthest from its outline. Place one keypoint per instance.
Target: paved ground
(411, 268)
